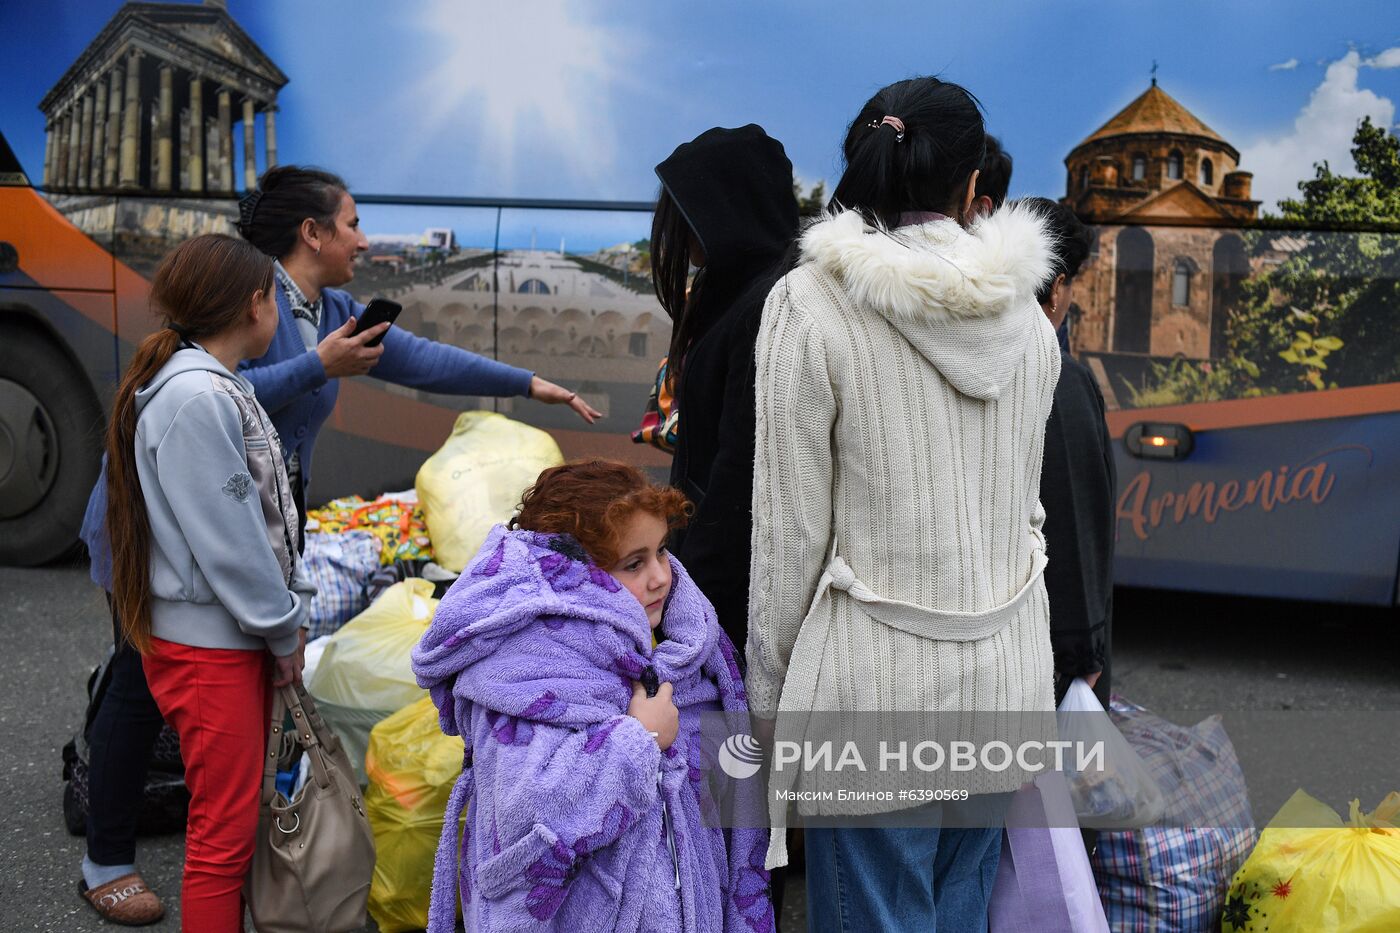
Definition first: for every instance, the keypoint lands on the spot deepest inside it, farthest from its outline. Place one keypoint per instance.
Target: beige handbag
(314, 855)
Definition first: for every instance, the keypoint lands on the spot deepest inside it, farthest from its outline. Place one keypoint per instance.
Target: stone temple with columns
(153, 103)
(153, 128)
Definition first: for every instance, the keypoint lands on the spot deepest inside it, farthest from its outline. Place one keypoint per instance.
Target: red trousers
(218, 701)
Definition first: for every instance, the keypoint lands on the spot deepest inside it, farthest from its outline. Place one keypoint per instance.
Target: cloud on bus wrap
(1322, 130)
(515, 98)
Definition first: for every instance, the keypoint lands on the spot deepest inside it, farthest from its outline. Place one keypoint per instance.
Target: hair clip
(247, 206)
(895, 122)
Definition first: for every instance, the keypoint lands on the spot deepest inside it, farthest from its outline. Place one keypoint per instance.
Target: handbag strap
(310, 732)
(274, 748)
(318, 728)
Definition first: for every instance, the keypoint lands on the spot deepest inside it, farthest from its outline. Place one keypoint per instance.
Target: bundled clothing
(577, 819)
(734, 187)
(1077, 488)
(904, 379)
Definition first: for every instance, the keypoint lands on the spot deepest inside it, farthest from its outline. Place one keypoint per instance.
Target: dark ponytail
(203, 287)
(942, 144)
(270, 218)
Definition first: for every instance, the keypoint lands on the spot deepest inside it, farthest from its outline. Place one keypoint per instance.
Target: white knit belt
(935, 624)
(799, 687)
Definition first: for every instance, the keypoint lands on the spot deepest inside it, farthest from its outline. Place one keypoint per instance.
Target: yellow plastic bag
(1311, 872)
(366, 663)
(475, 480)
(411, 767)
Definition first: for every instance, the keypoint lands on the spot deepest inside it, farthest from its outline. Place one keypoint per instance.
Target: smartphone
(378, 311)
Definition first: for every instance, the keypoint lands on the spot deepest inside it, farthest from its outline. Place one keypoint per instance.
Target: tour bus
(1283, 491)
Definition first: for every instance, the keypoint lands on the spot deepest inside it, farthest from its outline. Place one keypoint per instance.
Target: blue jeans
(897, 879)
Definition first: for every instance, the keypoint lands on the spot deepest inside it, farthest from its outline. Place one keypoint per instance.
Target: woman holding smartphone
(306, 220)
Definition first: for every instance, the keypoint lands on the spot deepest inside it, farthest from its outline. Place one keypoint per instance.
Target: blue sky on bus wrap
(552, 98)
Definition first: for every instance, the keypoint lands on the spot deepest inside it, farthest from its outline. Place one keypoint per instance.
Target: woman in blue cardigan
(306, 220)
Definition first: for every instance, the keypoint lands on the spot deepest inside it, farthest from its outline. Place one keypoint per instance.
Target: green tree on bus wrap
(1328, 314)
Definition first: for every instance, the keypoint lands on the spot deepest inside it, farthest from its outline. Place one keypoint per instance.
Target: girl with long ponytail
(205, 574)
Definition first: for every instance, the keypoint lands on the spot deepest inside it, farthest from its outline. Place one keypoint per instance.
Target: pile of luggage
(1195, 862)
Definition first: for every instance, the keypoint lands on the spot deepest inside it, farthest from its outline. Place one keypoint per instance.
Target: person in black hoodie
(1077, 486)
(727, 206)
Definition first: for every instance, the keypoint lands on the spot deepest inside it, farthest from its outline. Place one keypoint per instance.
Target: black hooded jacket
(734, 187)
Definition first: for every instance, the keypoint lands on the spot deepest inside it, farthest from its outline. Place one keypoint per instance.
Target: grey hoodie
(224, 566)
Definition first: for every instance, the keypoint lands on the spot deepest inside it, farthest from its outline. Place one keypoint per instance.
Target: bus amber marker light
(1159, 441)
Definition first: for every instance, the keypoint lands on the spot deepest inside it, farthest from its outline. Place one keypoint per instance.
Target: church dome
(1154, 112)
(1151, 147)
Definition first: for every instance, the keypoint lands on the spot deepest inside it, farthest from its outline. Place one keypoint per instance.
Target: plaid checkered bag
(340, 565)
(1172, 879)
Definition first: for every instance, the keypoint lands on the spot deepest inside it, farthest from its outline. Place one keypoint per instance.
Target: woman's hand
(658, 714)
(343, 353)
(287, 670)
(542, 390)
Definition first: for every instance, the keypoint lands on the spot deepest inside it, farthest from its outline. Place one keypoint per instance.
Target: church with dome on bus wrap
(1168, 198)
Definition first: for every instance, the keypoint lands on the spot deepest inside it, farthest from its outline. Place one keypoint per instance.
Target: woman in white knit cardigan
(904, 377)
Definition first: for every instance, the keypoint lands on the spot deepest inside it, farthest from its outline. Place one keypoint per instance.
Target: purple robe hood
(578, 820)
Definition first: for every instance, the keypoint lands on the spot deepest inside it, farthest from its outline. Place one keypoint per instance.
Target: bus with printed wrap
(1292, 493)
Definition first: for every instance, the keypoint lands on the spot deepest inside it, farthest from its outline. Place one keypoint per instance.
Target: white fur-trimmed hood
(965, 299)
(937, 268)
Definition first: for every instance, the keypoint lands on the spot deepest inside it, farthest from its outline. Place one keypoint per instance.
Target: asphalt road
(1310, 694)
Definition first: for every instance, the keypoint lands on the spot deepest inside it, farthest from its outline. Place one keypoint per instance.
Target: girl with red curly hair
(621, 520)
(579, 663)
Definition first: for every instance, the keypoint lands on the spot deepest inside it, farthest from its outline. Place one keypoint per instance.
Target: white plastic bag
(1121, 792)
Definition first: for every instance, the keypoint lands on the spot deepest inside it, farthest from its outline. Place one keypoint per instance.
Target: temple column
(153, 134)
(48, 153)
(65, 140)
(75, 126)
(225, 130)
(85, 142)
(250, 153)
(99, 134)
(270, 134)
(182, 180)
(60, 150)
(196, 134)
(131, 124)
(111, 146)
(165, 156)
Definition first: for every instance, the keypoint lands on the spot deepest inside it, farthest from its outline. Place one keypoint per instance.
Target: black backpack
(165, 801)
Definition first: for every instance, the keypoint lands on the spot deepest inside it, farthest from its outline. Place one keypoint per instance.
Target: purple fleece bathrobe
(578, 822)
